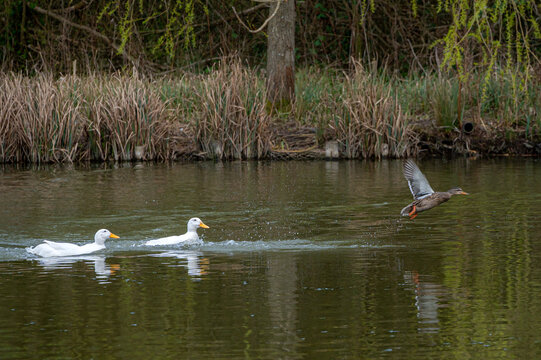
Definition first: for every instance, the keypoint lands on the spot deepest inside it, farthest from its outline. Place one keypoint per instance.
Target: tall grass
(222, 114)
(495, 100)
(73, 119)
(233, 123)
(126, 119)
(358, 110)
(371, 123)
(39, 121)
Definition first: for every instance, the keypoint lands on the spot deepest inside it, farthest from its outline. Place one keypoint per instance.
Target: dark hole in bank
(467, 127)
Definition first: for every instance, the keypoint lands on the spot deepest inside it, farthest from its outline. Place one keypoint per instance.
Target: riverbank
(223, 115)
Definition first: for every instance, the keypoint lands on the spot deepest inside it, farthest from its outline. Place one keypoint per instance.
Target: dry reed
(126, 120)
(73, 119)
(371, 123)
(233, 123)
(39, 122)
(222, 116)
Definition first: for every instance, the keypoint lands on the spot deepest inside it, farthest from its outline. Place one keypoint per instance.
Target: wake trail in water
(11, 252)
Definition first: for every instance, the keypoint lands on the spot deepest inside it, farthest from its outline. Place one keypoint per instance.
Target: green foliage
(176, 16)
(480, 27)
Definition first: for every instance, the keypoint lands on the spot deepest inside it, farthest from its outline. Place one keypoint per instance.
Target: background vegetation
(386, 78)
(166, 35)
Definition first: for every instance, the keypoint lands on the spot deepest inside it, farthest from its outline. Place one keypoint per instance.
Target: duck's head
(195, 223)
(102, 235)
(457, 191)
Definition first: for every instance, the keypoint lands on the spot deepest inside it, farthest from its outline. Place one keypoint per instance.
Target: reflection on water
(194, 261)
(428, 300)
(303, 260)
(103, 271)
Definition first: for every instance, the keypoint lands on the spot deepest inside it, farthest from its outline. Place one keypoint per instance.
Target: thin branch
(85, 28)
(266, 21)
(215, 22)
(77, 6)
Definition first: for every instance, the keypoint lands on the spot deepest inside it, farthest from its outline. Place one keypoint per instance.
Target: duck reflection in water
(194, 261)
(102, 270)
(428, 301)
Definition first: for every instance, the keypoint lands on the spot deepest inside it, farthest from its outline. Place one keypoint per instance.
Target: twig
(415, 57)
(215, 22)
(85, 28)
(77, 6)
(266, 21)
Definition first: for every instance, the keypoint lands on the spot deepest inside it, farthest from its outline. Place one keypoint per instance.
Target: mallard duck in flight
(424, 197)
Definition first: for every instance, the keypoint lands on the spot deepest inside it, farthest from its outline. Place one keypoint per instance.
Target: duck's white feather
(51, 248)
(61, 246)
(189, 238)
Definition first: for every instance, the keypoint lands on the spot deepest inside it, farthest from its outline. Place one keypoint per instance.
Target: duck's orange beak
(463, 193)
(114, 236)
(203, 226)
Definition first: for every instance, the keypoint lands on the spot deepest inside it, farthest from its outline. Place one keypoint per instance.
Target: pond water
(302, 260)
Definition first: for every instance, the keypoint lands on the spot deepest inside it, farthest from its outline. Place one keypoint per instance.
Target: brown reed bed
(232, 122)
(39, 122)
(222, 115)
(370, 122)
(72, 119)
(126, 120)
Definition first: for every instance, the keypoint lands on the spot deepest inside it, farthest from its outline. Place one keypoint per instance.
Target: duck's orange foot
(413, 213)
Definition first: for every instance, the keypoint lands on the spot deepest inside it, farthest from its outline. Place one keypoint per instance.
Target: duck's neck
(99, 242)
(447, 195)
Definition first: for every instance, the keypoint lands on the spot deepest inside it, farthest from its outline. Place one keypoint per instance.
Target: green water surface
(303, 260)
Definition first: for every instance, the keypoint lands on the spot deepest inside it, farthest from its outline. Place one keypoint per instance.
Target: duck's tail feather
(405, 211)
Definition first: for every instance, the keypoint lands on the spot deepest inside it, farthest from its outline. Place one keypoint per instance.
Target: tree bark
(281, 54)
(356, 40)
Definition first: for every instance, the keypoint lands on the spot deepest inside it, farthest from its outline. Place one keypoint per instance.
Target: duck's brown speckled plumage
(424, 197)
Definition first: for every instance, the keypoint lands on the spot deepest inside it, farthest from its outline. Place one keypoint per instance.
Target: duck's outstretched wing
(419, 186)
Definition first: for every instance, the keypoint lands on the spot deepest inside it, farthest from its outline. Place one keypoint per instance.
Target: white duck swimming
(190, 238)
(51, 248)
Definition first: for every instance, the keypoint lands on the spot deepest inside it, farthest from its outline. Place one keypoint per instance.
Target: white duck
(190, 238)
(51, 248)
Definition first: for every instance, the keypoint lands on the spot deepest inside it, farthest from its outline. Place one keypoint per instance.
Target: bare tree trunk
(281, 54)
(356, 40)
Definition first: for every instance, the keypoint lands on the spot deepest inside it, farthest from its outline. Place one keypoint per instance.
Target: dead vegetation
(370, 123)
(232, 122)
(222, 115)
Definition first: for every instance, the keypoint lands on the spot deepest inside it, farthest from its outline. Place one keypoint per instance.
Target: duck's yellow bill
(114, 236)
(463, 193)
(203, 226)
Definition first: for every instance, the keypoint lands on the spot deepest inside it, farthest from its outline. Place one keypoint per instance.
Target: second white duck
(190, 238)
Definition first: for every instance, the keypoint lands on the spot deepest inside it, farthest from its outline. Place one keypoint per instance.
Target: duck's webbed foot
(413, 213)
